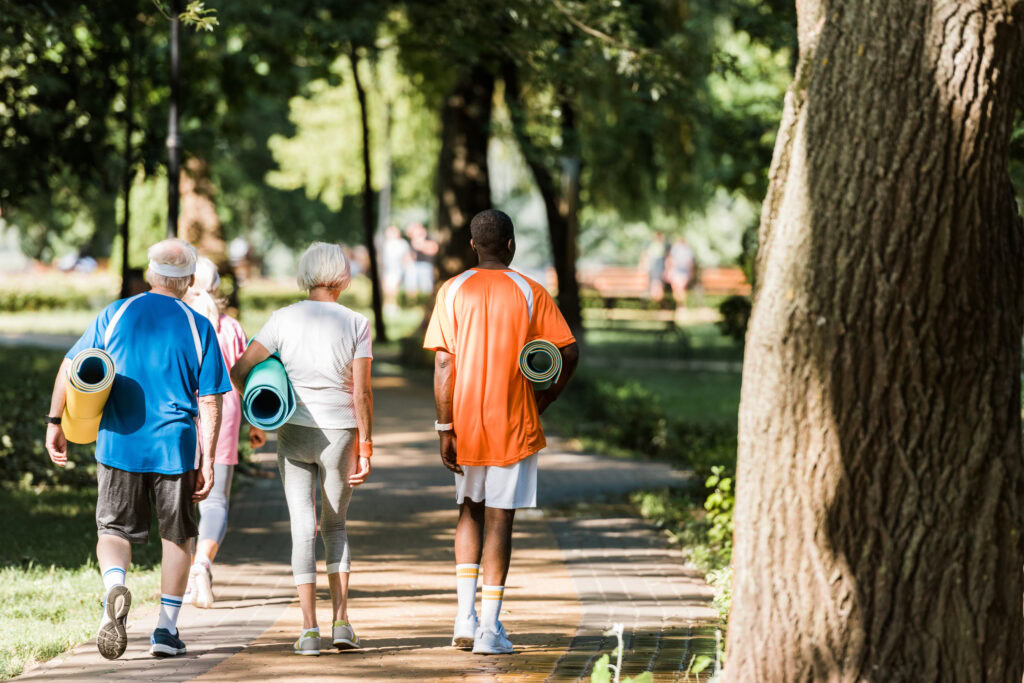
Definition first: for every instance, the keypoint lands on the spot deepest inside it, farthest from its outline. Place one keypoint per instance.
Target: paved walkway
(571, 578)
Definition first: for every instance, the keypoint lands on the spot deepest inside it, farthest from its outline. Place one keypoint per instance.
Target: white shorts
(510, 487)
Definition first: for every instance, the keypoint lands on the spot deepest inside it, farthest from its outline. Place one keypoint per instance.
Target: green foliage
(602, 673)
(735, 312)
(705, 534)
(50, 587)
(24, 398)
(616, 415)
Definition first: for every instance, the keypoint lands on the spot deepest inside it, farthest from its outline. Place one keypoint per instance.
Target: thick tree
(463, 183)
(878, 519)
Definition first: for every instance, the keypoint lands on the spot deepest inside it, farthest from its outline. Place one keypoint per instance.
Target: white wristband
(443, 427)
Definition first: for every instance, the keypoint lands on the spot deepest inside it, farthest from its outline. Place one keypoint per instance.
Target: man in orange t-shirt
(489, 414)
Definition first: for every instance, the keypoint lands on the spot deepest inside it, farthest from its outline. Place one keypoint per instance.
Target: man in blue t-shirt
(166, 355)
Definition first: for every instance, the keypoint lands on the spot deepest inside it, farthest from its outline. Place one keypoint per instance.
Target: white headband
(171, 271)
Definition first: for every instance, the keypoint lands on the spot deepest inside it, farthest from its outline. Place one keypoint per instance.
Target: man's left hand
(204, 482)
(544, 399)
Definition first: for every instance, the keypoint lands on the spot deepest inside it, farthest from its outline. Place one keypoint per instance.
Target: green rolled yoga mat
(269, 400)
(541, 362)
(89, 380)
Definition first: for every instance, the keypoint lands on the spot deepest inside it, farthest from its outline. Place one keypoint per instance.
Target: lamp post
(173, 138)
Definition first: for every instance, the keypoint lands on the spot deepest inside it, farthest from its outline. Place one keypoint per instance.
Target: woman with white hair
(325, 349)
(204, 298)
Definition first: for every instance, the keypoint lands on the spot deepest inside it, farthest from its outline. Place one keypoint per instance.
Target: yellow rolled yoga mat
(89, 380)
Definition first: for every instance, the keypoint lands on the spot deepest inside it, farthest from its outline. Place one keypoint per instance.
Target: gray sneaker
(344, 636)
(112, 638)
(308, 643)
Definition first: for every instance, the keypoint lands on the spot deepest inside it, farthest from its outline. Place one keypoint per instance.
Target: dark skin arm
(444, 390)
(570, 359)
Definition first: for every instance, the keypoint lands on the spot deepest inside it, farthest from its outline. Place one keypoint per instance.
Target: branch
(590, 31)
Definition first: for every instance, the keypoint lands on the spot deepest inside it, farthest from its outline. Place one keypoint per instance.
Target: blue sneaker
(163, 644)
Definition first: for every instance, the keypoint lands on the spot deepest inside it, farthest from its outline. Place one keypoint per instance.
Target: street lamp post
(173, 138)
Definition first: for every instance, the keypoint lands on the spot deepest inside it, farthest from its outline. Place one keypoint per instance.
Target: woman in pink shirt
(213, 511)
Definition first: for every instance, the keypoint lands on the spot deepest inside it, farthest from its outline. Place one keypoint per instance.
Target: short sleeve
(236, 343)
(548, 323)
(213, 375)
(441, 330)
(92, 338)
(268, 336)
(364, 342)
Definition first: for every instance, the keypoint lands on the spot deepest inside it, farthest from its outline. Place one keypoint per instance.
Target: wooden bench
(614, 283)
(724, 282)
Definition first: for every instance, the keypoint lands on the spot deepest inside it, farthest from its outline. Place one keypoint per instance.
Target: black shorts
(123, 504)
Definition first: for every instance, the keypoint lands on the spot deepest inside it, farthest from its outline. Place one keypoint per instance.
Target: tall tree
(369, 223)
(463, 181)
(561, 195)
(878, 518)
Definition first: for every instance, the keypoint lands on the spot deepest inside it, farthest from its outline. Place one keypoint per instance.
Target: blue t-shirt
(148, 423)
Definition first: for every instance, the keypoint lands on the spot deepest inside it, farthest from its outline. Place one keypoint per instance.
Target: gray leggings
(307, 456)
(213, 512)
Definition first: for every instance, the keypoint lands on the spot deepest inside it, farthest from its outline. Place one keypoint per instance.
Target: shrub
(610, 416)
(735, 312)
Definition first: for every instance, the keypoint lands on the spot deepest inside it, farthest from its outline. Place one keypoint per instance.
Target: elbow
(571, 355)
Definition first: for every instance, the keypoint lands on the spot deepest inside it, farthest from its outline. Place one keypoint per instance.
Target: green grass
(50, 587)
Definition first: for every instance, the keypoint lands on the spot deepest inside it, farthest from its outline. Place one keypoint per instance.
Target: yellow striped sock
(465, 584)
(490, 607)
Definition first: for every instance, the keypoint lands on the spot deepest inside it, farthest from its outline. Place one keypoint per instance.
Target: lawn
(50, 587)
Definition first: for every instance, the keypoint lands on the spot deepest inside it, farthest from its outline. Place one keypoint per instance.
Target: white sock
(170, 605)
(465, 583)
(490, 606)
(114, 576)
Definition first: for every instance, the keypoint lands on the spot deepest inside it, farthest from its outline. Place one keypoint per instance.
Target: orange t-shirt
(484, 317)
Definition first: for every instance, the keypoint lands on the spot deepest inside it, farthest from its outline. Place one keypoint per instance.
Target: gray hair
(172, 252)
(323, 265)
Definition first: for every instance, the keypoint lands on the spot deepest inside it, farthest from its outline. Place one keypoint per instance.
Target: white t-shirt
(317, 342)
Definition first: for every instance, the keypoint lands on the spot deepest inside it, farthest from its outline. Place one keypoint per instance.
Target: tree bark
(369, 222)
(561, 200)
(878, 518)
(464, 187)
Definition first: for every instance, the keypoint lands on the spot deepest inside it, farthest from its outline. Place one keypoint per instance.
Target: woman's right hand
(361, 474)
(257, 437)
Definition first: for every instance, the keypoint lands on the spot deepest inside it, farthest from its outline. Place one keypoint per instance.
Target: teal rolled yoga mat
(269, 400)
(540, 362)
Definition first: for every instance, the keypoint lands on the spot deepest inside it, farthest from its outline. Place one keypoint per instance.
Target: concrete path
(571, 578)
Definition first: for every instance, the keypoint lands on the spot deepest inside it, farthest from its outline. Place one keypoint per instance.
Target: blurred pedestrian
(419, 273)
(395, 256)
(680, 269)
(653, 261)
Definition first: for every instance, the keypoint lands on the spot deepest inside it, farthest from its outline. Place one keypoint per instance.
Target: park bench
(612, 286)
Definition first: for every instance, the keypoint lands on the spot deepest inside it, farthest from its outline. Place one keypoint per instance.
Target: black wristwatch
(52, 420)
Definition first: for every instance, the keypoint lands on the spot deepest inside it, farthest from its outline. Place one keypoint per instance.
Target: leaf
(601, 672)
(700, 664)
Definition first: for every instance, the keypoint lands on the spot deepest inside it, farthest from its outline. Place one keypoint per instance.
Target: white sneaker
(202, 586)
(492, 642)
(465, 631)
(308, 644)
(343, 636)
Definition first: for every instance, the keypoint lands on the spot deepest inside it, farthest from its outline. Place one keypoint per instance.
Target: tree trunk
(129, 113)
(878, 518)
(464, 187)
(369, 223)
(561, 204)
